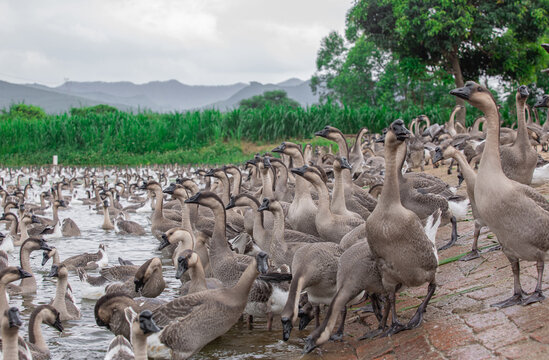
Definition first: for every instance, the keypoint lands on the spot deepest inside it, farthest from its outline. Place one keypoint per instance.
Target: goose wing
(180, 307)
(119, 273)
(539, 199)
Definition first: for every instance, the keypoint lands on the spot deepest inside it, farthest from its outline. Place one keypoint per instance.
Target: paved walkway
(459, 322)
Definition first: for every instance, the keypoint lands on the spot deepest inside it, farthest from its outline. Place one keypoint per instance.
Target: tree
(269, 98)
(468, 38)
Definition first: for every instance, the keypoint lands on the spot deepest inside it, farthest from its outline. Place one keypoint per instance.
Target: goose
(160, 224)
(302, 212)
(88, 261)
(228, 266)
(314, 269)
(357, 271)
(190, 322)
(69, 228)
(470, 179)
(7, 275)
(128, 227)
(519, 159)
(8, 243)
(147, 281)
(13, 346)
(28, 284)
(507, 206)
(331, 227)
(176, 240)
(541, 173)
(42, 314)
(64, 304)
(405, 254)
(142, 326)
(356, 158)
(190, 261)
(108, 274)
(109, 311)
(107, 223)
(55, 220)
(338, 205)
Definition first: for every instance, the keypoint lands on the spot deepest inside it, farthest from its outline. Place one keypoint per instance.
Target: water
(83, 339)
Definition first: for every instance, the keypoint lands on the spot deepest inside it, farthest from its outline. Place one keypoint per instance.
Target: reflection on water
(83, 339)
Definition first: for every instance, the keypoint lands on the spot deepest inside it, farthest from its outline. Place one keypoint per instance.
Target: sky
(197, 42)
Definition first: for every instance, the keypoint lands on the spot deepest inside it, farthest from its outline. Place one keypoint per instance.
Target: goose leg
(381, 326)
(518, 295)
(317, 316)
(339, 333)
(474, 253)
(250, 322)
(537, 295)
(396, 326)
(376, 306)
(269, 321)
(416, 320)
(454, 237)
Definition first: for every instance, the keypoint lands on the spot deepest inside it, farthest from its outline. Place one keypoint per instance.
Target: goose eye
(479, 89)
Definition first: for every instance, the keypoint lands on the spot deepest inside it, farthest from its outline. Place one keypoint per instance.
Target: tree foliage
(403, 52)
(269, 98)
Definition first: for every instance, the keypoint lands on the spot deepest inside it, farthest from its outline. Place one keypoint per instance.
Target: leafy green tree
(269, 98)
(26, 111)
(467, 38)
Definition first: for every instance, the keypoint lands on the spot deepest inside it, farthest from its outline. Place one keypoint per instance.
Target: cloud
(195, 42)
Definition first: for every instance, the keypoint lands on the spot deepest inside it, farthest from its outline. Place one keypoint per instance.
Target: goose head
(522, 93)
(264, 205)
(342, 163)
(32, 244)
(59, 271)
(543, 102)
(186, 260)
(13, 273)
(149, 269)
(143, 324)
(47, 255)
(49, 315)
(12, 319)
(206, 198)
(109, 313)
(476, 95)
(262, 265)
(173, 236)
(330, 133)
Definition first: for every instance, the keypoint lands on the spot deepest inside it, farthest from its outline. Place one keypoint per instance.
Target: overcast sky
(193, 41)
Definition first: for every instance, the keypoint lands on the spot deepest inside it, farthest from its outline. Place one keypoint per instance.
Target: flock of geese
(282, 237)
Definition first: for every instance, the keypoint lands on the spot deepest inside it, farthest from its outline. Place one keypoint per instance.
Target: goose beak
(400, 130)
(323, 133)
(231, 203)
(286, 328)
(309, 345)
(45, 258)
(183, 266)
(54, 272)
(147, 324)
(304, 319)
(143, 187)
(251, 162)
(264, 205)
(266, 162)
(280, 148)
(261, 259)
(44, 245)
(34, 220)
(170, 189)
(438, 155)
(193, 199)
(462, 92)
(209, 173)
(540, 103)
(165, 242)
(300, 170)
(523, 91)
(23, 273)
(345, 164)
(14, 319)
(138, 284)
(57, 324)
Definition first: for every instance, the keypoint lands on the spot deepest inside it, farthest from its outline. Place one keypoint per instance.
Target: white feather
(118, 350)
(541, 175)
(7, 244)
(278, 300)
(157, 350)
(459, 208)
(431, 228)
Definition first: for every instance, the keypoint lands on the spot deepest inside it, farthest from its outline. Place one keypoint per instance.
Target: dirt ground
(459, 322)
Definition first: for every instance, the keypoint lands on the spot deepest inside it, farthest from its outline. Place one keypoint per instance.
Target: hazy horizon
(213, 42)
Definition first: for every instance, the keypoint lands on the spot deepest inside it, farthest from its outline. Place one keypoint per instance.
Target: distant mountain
(301, 92)
(50, 101)
(160, 96)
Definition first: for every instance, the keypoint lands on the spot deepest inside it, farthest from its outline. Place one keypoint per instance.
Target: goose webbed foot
(338, 336)
(493, 248)
(537, 296)
(371, 334)
(473, 254)
(366, 308)
(513, 300)
(395, 328)
(416, 320)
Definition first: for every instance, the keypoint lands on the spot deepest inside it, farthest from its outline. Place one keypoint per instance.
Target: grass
(103, 135)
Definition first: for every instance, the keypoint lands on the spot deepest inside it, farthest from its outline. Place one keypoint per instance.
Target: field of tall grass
(94, 136)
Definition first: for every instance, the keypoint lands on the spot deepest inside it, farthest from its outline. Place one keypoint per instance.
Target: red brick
(481, 321)
(541, 335)
(413, 349)
(488, 293)
(449, 335)
(500, 336)
(526, 350)
(530, 318)
(369, 349)
(386, 357)
(470, 352)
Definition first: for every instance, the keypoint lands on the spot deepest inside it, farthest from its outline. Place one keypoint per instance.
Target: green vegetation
(402, 52)
(269, 98)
